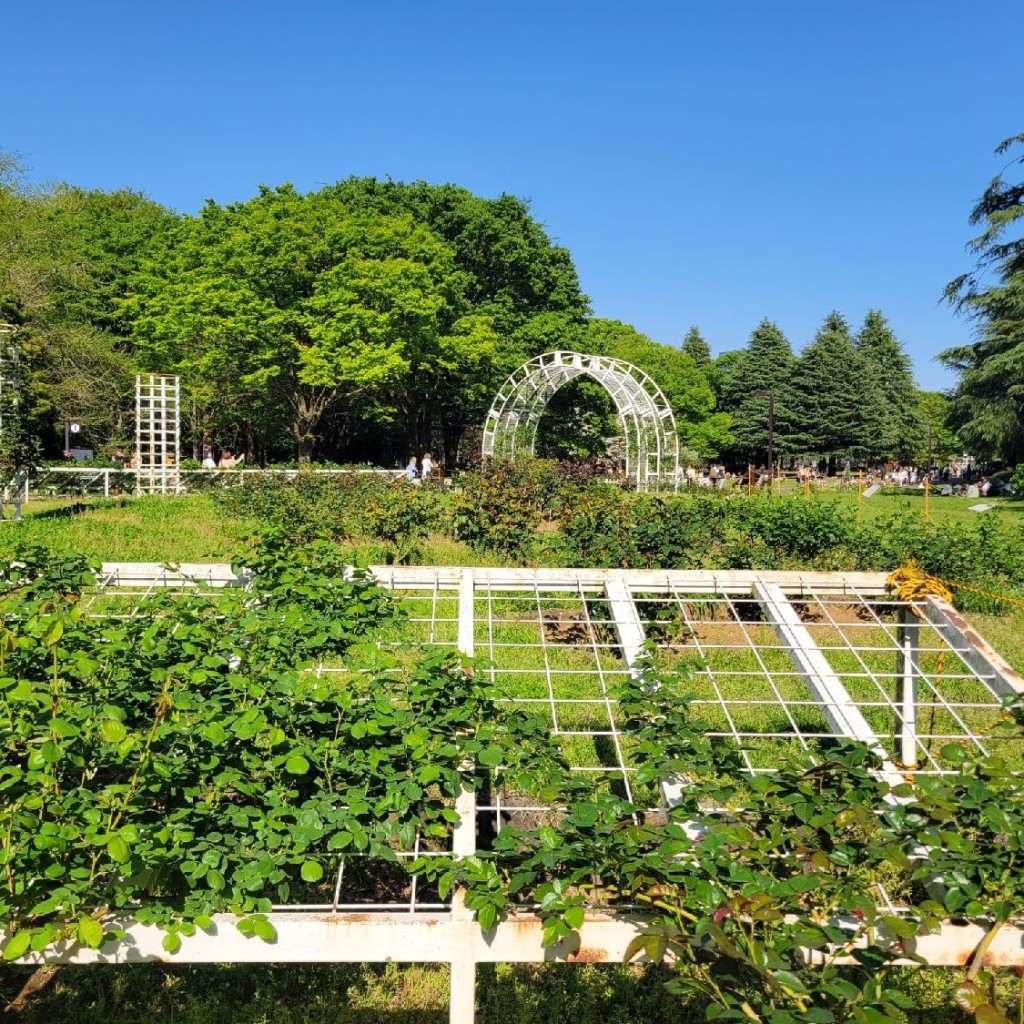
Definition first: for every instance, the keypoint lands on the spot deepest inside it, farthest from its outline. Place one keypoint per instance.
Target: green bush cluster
(499, 507)
(607, 527)
(346, 507)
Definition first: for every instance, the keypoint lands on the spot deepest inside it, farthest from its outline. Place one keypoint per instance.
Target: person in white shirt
(426, 466)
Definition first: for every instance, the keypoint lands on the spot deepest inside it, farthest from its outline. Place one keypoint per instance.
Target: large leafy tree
(295, 299)
(987, 407)
(67, 255)
(929, 437)
(889, 396)
(765, 366)
(512, 274)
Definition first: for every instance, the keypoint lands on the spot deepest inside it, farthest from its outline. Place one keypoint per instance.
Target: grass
(910, 500)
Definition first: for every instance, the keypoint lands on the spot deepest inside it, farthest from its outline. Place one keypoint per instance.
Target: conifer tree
(697, 348)
(893, 376)
(840, 399)
(766, 365)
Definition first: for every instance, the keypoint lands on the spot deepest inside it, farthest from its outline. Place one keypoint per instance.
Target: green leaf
(171, 942)
(490, 756)
(17, 945)
(574, 917)
(296, 765)
(90, 932)
(112, 730)
(989, 1014)
(118, 849)
(311, 871)
(486, 916)
(263, 929)
(53, 634)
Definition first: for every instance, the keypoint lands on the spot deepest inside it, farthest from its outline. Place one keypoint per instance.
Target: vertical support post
(860, 493)
(462, 979)
(906, 682)
(106, 483)
(927, 497)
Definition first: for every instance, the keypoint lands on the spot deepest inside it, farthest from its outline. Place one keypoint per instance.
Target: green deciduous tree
(930, 436)
(987, 406)
(293, 297)
(67, 256)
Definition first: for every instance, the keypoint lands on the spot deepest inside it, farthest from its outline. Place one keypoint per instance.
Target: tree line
(370, 319)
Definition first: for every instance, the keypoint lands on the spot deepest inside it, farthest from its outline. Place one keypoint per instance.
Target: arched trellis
(652, 444)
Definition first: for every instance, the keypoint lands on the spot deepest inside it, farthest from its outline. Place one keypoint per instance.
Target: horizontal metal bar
(441, 938)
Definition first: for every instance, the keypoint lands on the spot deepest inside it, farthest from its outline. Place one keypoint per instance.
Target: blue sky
(708, 163)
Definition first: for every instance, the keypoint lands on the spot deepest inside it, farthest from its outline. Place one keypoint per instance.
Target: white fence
(75, 481)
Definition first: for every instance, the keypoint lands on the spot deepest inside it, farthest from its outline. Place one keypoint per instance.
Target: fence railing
(75, 481)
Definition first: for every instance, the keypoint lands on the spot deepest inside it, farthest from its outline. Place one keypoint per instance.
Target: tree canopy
(370, 319)
(987, 407)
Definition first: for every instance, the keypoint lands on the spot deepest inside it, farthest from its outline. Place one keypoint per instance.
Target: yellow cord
(912, 583)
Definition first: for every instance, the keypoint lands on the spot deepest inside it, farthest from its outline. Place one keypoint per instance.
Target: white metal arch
(652, 444)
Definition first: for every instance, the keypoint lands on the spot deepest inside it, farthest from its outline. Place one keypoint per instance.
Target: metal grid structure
(157, 432)
(13, 489)
(787, 660)
(652, 444)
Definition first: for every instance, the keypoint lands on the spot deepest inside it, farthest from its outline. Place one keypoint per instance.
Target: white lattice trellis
(157, 432)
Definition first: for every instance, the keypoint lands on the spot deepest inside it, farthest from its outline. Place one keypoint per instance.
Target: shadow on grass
(348, 994)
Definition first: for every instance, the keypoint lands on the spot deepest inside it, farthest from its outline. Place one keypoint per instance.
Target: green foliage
(748, 873)
(604, 526)
(987, 408)
(887, 389)
(342, 506)
(170, 773)
(842, 405)
(501, 505)
(684, 383)
(767, 364)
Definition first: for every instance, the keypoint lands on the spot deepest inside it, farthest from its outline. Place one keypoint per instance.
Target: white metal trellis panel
(787, 660)
(157, 432)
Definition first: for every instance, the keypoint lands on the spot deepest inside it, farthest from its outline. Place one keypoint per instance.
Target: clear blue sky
(709, 163)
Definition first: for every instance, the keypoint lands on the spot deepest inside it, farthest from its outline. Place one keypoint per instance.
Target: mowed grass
(910, 501)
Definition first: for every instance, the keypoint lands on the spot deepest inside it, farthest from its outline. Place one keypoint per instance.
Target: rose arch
(652, 445)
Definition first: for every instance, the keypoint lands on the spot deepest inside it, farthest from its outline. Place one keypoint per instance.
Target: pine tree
(840, 398)
(894, 377)
(766, 365)
(697, 348)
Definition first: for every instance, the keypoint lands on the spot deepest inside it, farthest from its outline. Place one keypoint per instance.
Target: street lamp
(770, 395)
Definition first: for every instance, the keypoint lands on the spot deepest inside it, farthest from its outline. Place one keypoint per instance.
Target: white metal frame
(788, 659)
(652, 443)
(157, 432)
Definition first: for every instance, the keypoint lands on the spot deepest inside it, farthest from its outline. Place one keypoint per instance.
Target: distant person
(227, 460)
(426, 466)
(209, 462)
(410, 469)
